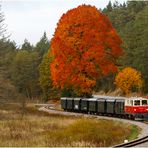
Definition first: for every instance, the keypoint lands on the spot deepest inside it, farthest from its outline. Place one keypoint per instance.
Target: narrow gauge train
(132, 108)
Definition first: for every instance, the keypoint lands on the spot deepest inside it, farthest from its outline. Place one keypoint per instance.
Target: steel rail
(134, 142)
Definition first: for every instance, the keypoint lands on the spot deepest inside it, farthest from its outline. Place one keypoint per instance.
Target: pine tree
(43, 45)
(49, 92)
(136, 44)
(25, 73)
(27, 46)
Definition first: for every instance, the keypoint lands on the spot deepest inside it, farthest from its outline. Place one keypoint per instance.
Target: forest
(25, 72)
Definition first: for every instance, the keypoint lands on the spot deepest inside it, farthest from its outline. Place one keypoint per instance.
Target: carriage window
(137, 102)
(144, 102)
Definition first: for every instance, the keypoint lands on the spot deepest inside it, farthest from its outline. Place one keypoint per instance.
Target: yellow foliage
(127, 79)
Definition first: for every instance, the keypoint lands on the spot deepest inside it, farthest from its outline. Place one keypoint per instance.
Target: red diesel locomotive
(136, 107)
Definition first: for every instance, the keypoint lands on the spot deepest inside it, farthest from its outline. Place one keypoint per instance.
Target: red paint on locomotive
(136, 109)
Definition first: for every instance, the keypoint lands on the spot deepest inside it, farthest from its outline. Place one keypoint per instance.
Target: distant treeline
(27, 67)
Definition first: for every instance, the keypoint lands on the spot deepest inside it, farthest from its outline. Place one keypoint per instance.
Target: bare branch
(3, 27)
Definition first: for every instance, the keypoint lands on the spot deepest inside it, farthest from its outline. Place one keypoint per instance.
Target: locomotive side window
(144, 102)
(131, 102)
(137, 102)
(127, 101)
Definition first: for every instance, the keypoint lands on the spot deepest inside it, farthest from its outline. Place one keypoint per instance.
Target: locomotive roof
(137, 98)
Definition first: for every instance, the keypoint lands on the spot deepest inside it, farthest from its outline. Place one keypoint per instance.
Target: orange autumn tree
(85, 46)
(127, 79)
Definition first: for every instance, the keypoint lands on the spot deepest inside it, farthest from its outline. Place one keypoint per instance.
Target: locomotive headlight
(147, 109)
(134, 109)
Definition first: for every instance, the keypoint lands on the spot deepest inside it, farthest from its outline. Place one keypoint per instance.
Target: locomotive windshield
(140, 102)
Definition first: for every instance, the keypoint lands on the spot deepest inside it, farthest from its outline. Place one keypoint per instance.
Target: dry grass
(42, 129)
(89, 132)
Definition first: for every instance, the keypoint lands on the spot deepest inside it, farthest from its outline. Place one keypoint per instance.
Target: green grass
(38, 128)
(134, 132)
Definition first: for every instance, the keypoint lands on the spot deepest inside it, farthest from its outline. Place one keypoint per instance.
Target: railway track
(134, 142)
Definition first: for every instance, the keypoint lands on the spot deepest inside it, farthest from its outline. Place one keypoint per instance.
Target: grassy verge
(134, 132)
(43, 129)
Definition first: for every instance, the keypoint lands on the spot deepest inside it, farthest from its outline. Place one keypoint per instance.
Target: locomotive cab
(137, 107)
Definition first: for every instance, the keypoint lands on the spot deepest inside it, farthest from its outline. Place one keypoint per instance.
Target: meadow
(37, 128)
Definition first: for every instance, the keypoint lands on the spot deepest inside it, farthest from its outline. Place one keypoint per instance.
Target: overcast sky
(30, 18)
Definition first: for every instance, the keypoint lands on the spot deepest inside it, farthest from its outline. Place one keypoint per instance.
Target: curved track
(134, 143)
(143, 126)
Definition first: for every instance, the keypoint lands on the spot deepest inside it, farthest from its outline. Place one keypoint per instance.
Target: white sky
(30, 18)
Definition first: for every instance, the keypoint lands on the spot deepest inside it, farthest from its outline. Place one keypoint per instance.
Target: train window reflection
(144, 102)
(137, 102)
